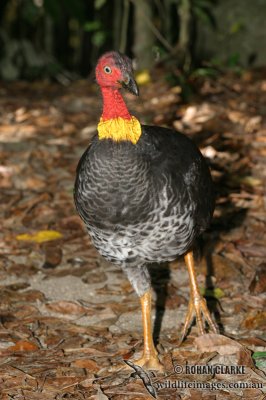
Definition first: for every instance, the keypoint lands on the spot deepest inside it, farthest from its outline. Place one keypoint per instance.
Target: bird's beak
(130, 84)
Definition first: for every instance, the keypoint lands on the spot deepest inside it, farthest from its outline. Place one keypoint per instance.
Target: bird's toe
(198, 308)
(150, 362)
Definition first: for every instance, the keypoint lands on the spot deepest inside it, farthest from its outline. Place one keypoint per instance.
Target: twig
(21, 370)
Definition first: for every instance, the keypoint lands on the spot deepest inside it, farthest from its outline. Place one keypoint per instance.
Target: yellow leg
(149, 358)
(197, 304)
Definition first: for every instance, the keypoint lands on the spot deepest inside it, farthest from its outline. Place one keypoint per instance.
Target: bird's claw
(150, 362)
(147, 362)
(198, 307)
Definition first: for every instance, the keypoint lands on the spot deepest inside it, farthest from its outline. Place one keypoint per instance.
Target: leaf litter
(66, 315)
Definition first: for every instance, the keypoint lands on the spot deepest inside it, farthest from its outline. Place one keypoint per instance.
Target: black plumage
(144, 202)
(159, 190)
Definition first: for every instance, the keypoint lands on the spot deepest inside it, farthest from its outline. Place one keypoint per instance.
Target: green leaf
(237, 27)
(233, 60)
(91, 26)
(204, 14)
(74, 8)
(203, 3)
(99, 4)
(98, 38)
(53, 8)
(204, 72)
(30, 12)
(259, 354)
(260, 359)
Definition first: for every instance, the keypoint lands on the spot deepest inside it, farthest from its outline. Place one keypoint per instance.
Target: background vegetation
(63, 38)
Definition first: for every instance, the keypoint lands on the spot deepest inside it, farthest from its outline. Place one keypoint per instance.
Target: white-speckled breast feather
(146, 202)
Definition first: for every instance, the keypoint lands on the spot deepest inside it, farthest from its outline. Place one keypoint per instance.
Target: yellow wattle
(119, 129)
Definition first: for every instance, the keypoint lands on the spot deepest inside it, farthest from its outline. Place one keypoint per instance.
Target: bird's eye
(107, 69)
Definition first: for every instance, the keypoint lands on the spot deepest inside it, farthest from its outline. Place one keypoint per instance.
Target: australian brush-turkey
(144, 193)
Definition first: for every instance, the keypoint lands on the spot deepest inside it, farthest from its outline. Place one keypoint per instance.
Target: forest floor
(66, 314)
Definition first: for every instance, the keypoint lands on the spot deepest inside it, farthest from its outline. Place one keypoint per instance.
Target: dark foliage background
(61, 39)
(45, 38)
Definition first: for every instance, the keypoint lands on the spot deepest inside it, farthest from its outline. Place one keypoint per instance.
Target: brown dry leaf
(66, 307)
(214, 342)
(87, 364)
(255, 320)
(253, 250)
(194, 395)
(233, 254)
(89, 350)
(223, 267)
(258, 302)
(72, 222)
(53, 255)
(30, 295)
(253, 341)
(87, 383)
(23, 345)
(253, 394)
(33, 182)
(244, 358)
(61, 382)
(258, 283)
(25, 311)
(135, 388)
(95, 277)
(100, 395)
(45, 121)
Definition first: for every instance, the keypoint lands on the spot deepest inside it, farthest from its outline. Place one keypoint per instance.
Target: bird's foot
(149, 361)
(198, 307)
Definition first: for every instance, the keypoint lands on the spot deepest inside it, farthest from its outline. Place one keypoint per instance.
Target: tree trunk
(183, 45)
(143, 36)
(124, 27)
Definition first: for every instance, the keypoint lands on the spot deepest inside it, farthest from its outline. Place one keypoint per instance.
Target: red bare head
(114, 70)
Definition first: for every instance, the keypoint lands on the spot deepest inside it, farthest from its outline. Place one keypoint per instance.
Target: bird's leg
(197, 304)
(149, 358)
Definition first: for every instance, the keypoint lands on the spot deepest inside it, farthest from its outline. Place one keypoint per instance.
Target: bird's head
(114, 70)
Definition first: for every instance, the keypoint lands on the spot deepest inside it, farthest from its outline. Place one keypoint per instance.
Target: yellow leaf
(143, 77)
(40, 237)
(217, 293)
(250, 181)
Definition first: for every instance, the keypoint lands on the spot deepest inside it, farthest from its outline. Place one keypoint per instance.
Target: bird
(145, 194)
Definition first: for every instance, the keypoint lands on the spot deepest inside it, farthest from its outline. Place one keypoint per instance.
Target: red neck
(113, 104)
